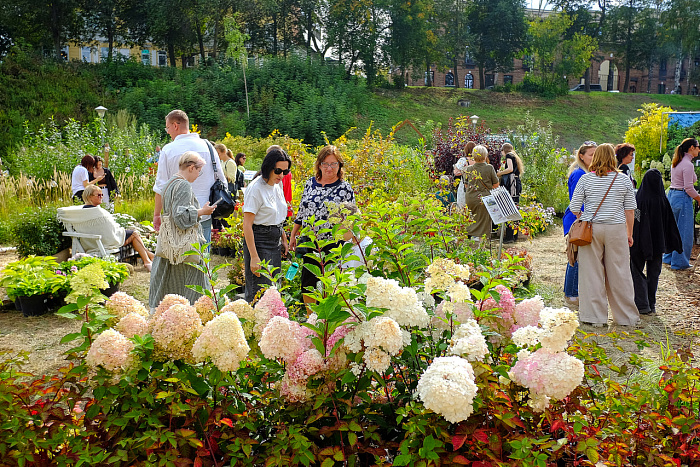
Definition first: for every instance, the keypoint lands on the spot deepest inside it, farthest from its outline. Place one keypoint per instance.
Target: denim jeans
(571, 280)
(206, 229)
(268, 246)
(682, 207)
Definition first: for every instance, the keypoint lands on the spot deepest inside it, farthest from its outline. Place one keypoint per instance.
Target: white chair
(122, 253)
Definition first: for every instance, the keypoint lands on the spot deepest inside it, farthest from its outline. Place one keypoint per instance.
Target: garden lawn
(599, 116)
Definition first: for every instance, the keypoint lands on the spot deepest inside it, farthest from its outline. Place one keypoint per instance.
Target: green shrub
(546, 164)
(537, 85)
(38, 232)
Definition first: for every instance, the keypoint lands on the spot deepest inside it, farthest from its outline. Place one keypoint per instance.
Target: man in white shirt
(177, 124)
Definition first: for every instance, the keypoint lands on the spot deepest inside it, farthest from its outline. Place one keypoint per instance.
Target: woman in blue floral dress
(326, 186)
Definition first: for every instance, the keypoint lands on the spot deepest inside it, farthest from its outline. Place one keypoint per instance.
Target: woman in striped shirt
(604, 264)
(681, 197)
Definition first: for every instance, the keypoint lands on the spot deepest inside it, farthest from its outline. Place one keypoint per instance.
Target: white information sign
(501, 207)
(249, 174)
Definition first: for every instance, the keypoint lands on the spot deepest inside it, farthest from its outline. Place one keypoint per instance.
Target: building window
(162, 58)
(488, 79)
(449, 79)
(662, 88)
(633, 88)
(527, 62)
(85, 54)
(124, 53)
(662, 65)
(146, 57)
(104, 53)
(507, 79)
(64, 54)
(432, 77)
(468, 59)
(469, 81)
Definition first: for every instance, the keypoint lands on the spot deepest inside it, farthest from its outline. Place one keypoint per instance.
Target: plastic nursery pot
(111, 290)
(35, 305)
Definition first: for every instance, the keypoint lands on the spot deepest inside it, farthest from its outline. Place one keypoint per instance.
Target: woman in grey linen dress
(181, 204)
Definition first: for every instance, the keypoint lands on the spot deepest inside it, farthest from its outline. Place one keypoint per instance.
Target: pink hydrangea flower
(111, 350)
(284, 339)
(175, 331)
(269, 306)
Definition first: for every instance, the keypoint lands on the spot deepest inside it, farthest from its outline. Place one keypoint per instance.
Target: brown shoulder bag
(581, 232)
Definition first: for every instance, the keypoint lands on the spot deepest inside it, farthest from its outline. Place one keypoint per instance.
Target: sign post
(502, 209)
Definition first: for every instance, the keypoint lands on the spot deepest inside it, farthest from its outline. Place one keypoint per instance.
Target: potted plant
(233, 235)
(115, 272)
(31, 281)
(236, 276)
(215, 242)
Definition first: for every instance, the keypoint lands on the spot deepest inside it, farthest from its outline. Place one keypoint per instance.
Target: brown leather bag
(581, 232)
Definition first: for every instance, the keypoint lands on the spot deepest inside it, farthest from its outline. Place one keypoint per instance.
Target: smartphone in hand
(218, 201)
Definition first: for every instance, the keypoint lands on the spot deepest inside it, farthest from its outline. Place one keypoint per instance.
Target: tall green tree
(454, 36)
(170, 26)
(680, 20)
(554, 55)
(497, 30)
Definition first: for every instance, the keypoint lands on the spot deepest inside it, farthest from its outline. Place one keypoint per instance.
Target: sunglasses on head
(590, 143)
(278, 171)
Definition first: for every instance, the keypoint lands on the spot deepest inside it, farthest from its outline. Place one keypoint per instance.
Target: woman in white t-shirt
(264, 211)
(80, 178)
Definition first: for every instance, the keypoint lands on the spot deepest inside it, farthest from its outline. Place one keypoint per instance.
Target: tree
(452, 14)
(680, 31)
(497, 31)
(554, 55)
(49, 24)
(585, 22)
(170, 26)
(110, 19)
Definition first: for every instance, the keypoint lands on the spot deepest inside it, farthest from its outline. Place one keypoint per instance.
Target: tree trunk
(650, 75)
(679, 63)
(56, 30)
(171, 55)
(110, 43)
(274, 34)
(215, 39)
(200, 40)
(456, 74)
(428, 79)
(627, 74)
(482, 85)
(183, 57)
(587, 80)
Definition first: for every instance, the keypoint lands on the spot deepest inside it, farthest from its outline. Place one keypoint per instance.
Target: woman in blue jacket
(578, 168)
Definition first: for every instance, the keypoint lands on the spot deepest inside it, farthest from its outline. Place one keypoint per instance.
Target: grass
(598, 116)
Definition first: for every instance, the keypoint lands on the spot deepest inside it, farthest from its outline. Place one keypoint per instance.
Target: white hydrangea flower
(528, 336)
(402, 303)
(377, 360)
(558, 327)
(222, 341)
(468, 342)
(384, 332)
(447, 387)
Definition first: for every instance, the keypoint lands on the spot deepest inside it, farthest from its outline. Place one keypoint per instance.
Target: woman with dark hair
(326, 186)
(655, 233)
(605, 275)
(625, 155)
(681, 196)
(107, 183)
(577, 169)
(509, 177)
(240, 180)
(264, 211)
(81, 176)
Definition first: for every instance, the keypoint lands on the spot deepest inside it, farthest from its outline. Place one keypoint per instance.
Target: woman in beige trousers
(604, 264)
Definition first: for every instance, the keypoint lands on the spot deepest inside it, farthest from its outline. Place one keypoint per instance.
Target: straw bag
(174, 242)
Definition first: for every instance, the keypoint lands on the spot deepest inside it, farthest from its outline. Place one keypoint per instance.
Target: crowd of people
(633, 234)
(633, 231)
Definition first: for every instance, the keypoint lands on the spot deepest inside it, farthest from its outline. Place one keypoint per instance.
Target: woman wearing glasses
(264, 211)
(577, 169)
(326, 186)
(681, 196)
(99, 221)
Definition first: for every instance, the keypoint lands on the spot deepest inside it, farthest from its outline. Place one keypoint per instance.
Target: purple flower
(74, 269)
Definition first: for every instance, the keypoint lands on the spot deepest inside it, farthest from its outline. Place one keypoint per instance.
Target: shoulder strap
(213, 161)
(606, 194)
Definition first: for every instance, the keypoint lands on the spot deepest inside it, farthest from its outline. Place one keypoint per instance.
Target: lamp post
(474, 118)
(101, 113)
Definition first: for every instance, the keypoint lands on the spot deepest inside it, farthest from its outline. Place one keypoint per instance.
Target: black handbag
(219, 192)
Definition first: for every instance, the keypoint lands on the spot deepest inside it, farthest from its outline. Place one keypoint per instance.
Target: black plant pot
(225, 252)
(58, 299)
(35, 305)
(215, 250)
(108, 292)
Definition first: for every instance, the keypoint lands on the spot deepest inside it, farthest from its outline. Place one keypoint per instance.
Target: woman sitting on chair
(101, 222)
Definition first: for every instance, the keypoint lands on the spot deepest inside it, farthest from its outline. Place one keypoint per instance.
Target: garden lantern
(475, 118)
(101, 113)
